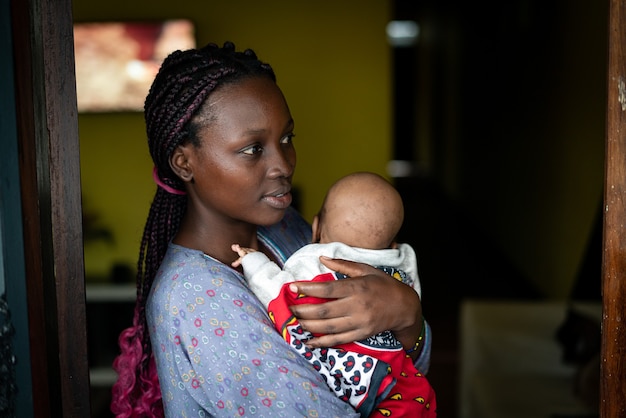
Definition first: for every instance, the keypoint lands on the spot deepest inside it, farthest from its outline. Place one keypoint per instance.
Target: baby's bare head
(361, 210)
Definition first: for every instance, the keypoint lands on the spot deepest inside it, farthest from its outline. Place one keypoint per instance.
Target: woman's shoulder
(183, 260)
(290, 234)
(184, 268)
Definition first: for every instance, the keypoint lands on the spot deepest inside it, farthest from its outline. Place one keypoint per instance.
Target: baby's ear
(315, 229)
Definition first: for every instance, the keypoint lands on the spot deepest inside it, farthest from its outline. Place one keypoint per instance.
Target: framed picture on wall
(117, 61)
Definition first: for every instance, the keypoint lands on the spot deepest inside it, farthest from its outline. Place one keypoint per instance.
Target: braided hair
(174, 113)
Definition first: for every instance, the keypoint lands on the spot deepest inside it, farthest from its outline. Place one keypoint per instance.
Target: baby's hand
(241, 251)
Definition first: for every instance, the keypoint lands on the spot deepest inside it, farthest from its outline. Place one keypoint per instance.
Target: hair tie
(157, 180)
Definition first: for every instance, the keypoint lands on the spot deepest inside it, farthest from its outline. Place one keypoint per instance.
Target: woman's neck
(215, 238)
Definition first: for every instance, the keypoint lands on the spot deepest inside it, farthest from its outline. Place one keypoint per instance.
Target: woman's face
(243, 168)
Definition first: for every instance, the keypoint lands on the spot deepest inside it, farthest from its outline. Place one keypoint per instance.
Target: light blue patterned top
(216, 350)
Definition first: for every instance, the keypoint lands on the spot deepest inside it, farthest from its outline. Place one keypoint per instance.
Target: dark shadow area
(482, 111)
(456, 261)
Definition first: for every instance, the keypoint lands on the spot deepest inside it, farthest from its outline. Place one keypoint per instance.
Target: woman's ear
(179, 163)
(315, 229)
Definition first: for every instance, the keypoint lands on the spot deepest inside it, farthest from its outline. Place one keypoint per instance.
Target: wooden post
(613, 365)
(47, 125)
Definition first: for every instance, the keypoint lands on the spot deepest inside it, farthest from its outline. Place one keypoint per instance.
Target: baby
(359, 220)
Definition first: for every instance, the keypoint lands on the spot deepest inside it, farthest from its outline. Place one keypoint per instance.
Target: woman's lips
(278, 200)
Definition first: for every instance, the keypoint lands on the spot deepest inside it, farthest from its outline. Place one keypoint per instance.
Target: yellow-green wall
(332, 62)
(535, 198)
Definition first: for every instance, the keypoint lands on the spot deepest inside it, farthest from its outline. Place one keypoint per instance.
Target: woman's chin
(273, 217)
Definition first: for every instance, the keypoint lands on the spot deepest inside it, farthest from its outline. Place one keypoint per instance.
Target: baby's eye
(252, 149)
(287, 138)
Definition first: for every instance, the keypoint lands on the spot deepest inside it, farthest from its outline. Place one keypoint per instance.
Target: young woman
(220, 135)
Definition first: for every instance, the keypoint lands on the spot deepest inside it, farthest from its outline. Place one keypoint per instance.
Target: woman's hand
(368, 302)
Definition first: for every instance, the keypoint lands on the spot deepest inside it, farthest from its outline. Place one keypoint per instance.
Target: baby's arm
(264, 277)
(242, 252)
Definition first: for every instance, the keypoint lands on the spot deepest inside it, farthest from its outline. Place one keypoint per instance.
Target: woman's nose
(283, 162)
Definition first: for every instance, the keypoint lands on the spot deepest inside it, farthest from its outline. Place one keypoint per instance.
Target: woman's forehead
(250, 102)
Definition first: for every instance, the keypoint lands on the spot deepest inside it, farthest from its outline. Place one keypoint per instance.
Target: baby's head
(361, 210)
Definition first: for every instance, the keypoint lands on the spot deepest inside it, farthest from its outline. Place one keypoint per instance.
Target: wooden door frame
(52, 212)
(48, 147)
(613, 356)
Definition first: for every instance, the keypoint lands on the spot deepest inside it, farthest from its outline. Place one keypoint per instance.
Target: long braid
(173, 113)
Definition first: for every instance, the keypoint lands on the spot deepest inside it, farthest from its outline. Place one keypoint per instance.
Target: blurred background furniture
(511, 363)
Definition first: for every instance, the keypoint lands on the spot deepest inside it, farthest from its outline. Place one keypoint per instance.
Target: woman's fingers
(349, 268)
(337, 291)
(333, 340)
(359, 306)
(339, 288)
(337, 330)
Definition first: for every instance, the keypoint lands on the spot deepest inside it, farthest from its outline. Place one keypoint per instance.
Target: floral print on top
(216, 350)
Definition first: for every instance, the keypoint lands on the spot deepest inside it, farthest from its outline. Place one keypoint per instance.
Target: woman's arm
(367, 303)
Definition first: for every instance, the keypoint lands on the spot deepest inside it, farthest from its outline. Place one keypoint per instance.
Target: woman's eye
(253, 149)
(287, 138)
